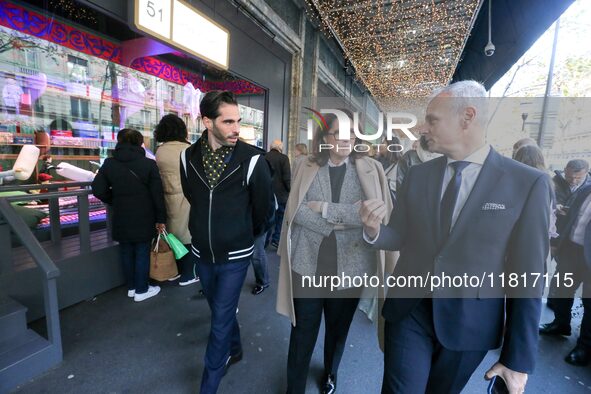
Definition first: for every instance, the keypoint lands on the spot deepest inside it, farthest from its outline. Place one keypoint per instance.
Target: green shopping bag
(177, 246)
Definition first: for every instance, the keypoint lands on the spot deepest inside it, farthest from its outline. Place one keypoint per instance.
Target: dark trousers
(572, 261)
(259, 261)
(186, 265)
(275, 233)
(416, 362)
(222, 284)
(338, 314)
(135, 258)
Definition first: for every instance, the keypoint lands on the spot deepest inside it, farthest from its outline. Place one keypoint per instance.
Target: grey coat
(354, 257)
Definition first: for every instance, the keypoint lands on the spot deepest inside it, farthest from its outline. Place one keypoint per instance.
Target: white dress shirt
(469, 177)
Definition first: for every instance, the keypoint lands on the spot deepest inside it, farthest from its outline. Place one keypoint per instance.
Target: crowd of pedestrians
(451, 204)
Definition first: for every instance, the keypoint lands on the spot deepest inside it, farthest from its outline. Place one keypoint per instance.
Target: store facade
(74, 72)
(69, 83)
(79, 87)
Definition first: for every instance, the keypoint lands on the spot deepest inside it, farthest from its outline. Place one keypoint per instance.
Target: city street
(114, 345)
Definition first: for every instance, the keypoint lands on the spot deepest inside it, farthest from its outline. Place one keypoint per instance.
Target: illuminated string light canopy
(399, 48)
(73, 10)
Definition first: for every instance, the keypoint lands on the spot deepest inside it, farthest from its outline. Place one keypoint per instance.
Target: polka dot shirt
(214, 162)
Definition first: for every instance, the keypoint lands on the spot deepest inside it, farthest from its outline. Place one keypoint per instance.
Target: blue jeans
(259, 261)
(273, 236)
(222, 283)
(135, 258)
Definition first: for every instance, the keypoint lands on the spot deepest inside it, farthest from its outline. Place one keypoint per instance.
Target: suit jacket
(503, 227)
(566, 225)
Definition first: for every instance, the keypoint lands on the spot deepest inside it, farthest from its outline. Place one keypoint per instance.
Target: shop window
(79, 108)
(30, 58)
(145, 82)
(77, 69)
(171, 93)
(27, 98)
(146, 118)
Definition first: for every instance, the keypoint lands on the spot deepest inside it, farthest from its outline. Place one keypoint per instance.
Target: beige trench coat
(168, 158)
(375, 186)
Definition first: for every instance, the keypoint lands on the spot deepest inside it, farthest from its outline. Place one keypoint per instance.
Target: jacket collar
(241, 152)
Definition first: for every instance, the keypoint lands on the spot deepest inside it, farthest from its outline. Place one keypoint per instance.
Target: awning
(516, 25)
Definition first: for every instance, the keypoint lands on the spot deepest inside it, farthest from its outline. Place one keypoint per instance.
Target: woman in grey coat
(326, 240)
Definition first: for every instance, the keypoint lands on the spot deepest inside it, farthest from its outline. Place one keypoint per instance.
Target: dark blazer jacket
(503, 227)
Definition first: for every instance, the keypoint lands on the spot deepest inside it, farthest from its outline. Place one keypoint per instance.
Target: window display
(68, 86)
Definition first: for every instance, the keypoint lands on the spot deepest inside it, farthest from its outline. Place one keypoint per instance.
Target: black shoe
(258, 289)
(579, 356)
(275, 244)
(232, 360)
(329, 385)
(554, 328)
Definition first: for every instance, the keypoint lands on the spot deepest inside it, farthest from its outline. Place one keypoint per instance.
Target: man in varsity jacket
(228, 184)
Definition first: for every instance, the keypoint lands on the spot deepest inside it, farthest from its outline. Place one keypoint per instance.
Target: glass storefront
(66, 91)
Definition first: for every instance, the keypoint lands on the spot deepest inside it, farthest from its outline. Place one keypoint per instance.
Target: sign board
(180, 25)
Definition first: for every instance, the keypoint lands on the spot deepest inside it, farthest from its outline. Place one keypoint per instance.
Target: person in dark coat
(131, 184)
(567, 185)
(281, 185)
(470, 211)
(573, 257)
(571, 180)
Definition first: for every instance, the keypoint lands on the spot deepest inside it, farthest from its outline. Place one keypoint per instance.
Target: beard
(223, 139)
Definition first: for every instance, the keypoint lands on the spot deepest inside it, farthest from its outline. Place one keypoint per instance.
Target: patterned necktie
(448, 202)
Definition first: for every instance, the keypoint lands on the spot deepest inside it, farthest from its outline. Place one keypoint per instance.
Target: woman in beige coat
(172, 133)
(322, 236)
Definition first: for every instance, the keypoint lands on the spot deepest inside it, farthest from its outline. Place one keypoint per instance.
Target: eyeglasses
(335, 135)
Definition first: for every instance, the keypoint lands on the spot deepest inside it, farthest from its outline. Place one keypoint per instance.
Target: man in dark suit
(470, 212)
(573, 254)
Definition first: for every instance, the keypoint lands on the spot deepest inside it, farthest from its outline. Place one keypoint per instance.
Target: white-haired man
(470, 214)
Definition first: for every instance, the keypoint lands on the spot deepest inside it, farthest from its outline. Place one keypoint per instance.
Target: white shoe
(152, 291)
(189, 282)
(173, 278)
(130, 293)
